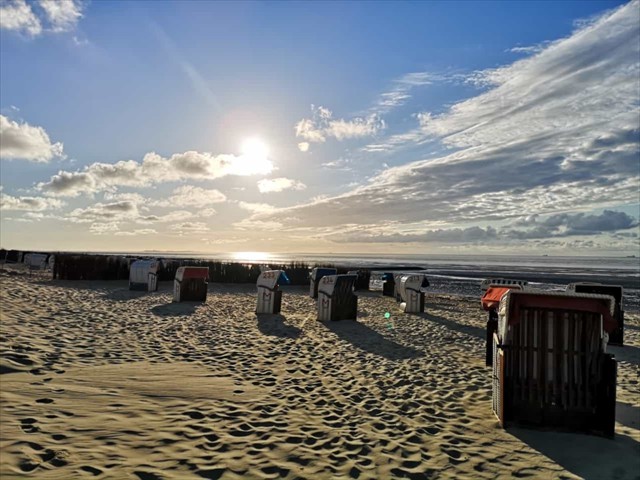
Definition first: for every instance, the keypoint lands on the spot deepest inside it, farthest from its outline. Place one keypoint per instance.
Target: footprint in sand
(28, 425)
(44, 400)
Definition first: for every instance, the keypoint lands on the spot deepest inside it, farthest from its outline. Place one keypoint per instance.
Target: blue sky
(444, 127)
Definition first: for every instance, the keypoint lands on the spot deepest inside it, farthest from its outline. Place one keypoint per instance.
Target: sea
(462, 274)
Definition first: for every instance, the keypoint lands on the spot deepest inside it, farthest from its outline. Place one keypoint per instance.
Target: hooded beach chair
(143, 275)
(388, 285)
(411, 292)
(616, 337)
(550, 367)
(269, 294)
(336, 300)
(191, 284)
(316, 275)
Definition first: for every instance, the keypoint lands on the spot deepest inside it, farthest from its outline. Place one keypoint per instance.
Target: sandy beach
(101, 382)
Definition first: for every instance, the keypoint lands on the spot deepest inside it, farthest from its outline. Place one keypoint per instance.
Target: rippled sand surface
(101, 382)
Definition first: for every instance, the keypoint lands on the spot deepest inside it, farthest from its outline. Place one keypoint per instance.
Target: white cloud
(257, 207)
(189, 195)
(105, 212)
(322, 125)
(104, 228)
(17, 15)
(53, 16)
(63, 15)
(188, 228)
(134, 233)
(279, 184)
(557, 132)
(153, 169)
(21, 141)
(33, 204)
(303, 146)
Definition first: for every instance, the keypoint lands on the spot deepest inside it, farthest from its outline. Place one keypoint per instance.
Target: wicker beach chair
(616, 337)
(143, 275)
(550, 367)
(191, 284)
(336, 300)
(315, 277)
(269, 293)
(411, 291)
(501, 282)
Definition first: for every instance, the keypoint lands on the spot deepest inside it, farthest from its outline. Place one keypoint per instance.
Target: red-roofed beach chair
(191, 284)
(550, 367)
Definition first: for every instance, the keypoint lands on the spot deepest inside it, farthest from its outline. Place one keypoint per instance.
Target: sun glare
(255, 157)
(251, 256)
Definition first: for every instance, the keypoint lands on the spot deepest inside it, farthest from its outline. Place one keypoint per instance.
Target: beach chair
(550, 367)
(500, 282)
(336, 300)
(411, 292)
(490, 302)
(616, 337)
(191, 284)
(316, 275)
(269, 294)
(388, 284)
(143, 275)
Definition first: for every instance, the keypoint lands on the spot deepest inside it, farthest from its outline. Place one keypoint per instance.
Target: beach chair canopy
(603, 289)
(414, 282)
(491, 298)
(271, 278)
(318, 272)
(514, 300)
(140, 269)
(192, 272)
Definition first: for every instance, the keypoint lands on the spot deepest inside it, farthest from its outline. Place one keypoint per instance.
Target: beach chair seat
(316, 275)
(269, 293)
(411, 292)
(336, 300)
(616, 337)
(191, 284)
(550, 366)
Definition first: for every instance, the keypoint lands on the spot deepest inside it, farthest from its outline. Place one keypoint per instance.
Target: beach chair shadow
(466, 329)
(273, 325)
(587, 456)
(176, 309)
(628, 353)
(367, 339)
(629, 416)
(124, 294)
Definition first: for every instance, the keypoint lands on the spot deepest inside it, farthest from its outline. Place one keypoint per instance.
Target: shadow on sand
(628, 353)
(466, 329)
(273, 325)
(367, 339)
(629, 416)
(178, 309)
(587, 456)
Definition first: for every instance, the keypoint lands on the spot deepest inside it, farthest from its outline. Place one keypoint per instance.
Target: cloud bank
(556, 132)
(21, 141)
(53, 16)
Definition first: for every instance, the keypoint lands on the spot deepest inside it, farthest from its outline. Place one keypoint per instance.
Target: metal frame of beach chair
(550, 366)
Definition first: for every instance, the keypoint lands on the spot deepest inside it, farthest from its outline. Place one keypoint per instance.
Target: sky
(320, 127)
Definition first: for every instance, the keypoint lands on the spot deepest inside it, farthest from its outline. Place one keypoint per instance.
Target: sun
(255, 148)
(255, 157)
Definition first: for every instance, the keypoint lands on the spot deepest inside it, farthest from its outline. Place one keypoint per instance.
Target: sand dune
(101, 382)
